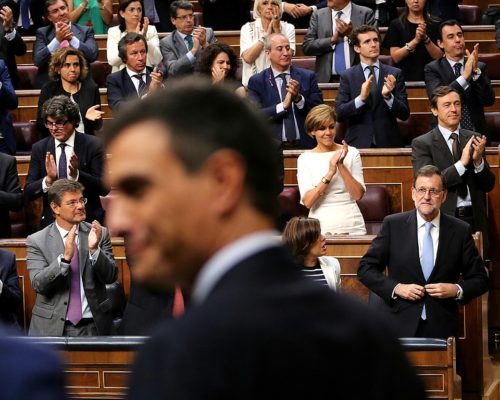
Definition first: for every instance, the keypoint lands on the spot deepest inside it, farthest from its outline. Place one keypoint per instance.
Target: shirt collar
(446, 132)
(63, 232)
(376, 65)
(421, 222)
(452, 63)
(276, 73)
(70, 142)
(132, 73)
(346, 11)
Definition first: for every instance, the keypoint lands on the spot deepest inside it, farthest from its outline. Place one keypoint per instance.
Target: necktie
(288, 120)
(339, 53)
(427, 257)
(74, 314)
(25, 14)
(466, 118)
(457, 153)
(178, 304)
(64, 43)
(142, 85)
(189, 40)
(63, 163)
(374, 86)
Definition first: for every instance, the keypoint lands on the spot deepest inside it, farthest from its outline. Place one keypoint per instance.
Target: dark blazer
(457, 258)
(8, 101)
(431, 148)
(52, 287)
(90, 155)
(29, 371)
(372, 121)
(10, 298)
(317, 39)
(41, 53)
(37, 10)
(262, 88)
(260, 322)
(120, 87)
(9, 49)
(11, 197)
(480, 93)
(86, 97)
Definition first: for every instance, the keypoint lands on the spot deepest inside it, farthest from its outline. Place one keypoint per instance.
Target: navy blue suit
(10, 298)
(8, 101)
(121, 88)
(372, 121)
(263, 89)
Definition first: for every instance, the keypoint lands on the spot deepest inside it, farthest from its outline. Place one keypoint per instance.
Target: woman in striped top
(303, 237)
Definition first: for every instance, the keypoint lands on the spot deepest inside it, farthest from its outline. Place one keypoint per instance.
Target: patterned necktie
(427, 257)
(374, 86)
(466, 118)
(288, 120)
(457, 154)
(74, 314)
(63, 163)
(189, 40)
(142, 85)
(339, 52)
(25, 13)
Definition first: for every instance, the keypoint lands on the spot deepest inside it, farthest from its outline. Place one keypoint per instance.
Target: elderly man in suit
(461, 69)
(183, 47)
(285, 93)
(327, 36)
(11, 43)
(10, 294)
(371, 95)
(70, 262)
(8, 101)
(66, 154)
(251, 308)
(136, 80)
(60, 33)
(459, 154)
(11, 197)
(434, 269)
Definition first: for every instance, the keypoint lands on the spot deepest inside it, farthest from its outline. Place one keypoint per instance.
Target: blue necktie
(427, 257)
(339, 53)
(25, 16)
(63, 163)
(288, 119)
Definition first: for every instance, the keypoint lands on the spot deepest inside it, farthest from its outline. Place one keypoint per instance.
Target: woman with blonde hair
(330, 177)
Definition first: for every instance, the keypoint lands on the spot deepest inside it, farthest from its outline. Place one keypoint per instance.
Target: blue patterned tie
(25, 16)
(340, 52)
(288, 119)
(63, 163)
(427, 257)
(189, 40)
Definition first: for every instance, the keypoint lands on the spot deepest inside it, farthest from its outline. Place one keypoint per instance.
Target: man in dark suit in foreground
(10, 295)
(195, 200)
(371, 95)
(433, 264)
(11, 197)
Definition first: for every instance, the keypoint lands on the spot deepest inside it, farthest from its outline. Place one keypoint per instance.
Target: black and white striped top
(315, 273)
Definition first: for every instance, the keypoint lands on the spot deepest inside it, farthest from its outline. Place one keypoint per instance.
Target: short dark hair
(448, 22)
(61, 106)
(48, 3)
(62, 186)
(428, 171)
(439, 92)
(300, 234)
(182, 4)
(210, 53)
(129, 38)
(223, 121)
(122, 7)
(353, 37)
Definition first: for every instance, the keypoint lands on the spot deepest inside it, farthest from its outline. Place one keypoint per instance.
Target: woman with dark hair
(95, 13)
(68, 70)
(412, 39)
(219, 62)
(304, 239)
(132, 19)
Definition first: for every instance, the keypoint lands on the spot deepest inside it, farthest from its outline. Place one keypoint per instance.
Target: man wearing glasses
(183, 47)
(66, 154)
(70, 262)
(459, 154)
(432, 262)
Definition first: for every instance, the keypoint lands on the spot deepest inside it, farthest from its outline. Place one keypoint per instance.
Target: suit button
(65, 303)
(62, 319)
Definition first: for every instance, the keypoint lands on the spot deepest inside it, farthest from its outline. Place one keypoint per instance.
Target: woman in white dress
(304, 239)
(132, 20)
(330, 177)
(267, 15)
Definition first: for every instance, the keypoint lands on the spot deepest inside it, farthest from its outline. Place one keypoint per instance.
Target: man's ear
(434, 111)
(440, 44)
(357, 49)
(55, 208)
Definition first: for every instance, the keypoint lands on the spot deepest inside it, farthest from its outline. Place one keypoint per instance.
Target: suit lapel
(57, 241)
(446, 236)
(440, 144)
(128, 85)
(83, 245)
(270, 81)
(447, 70)
(414, 258)
(328, 23)
(179, 43)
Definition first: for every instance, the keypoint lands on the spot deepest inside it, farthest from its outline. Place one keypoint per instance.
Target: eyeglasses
(421, 191)
(57, 124)
(185, 17)
(74, 203)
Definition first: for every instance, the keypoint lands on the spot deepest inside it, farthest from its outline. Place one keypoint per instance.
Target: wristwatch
(408, 48)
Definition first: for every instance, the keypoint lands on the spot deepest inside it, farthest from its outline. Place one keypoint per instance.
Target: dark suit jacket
(121, 88)
(457, 257)
(10, 298)
(11, 197)
(29, 371)
(36, 12)
(378, 121)
(480, 93)
(8, 101)
(263, 89)
(265, 332)
(52, 287)
(90, 155)
(317, 39)
(41, 53)
(431, 148)
(9, 49)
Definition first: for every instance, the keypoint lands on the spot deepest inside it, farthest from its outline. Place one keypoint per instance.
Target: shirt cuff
(358, 103)
(95, 256)
(1, 286)
(75, 42)
(191, 57)
(462, 82)
(279, 108)
(45, 186)
(460, 292)
(460, 168)
(301, 103)
(64, 266)
(389, 101)
(475, 77)
(53, 45)
(314, 8)
(478, 169)
(394, 296)
(11, 35)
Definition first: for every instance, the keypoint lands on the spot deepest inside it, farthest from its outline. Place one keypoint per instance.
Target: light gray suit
(317, 39)
(52, 287)
(174, 50)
